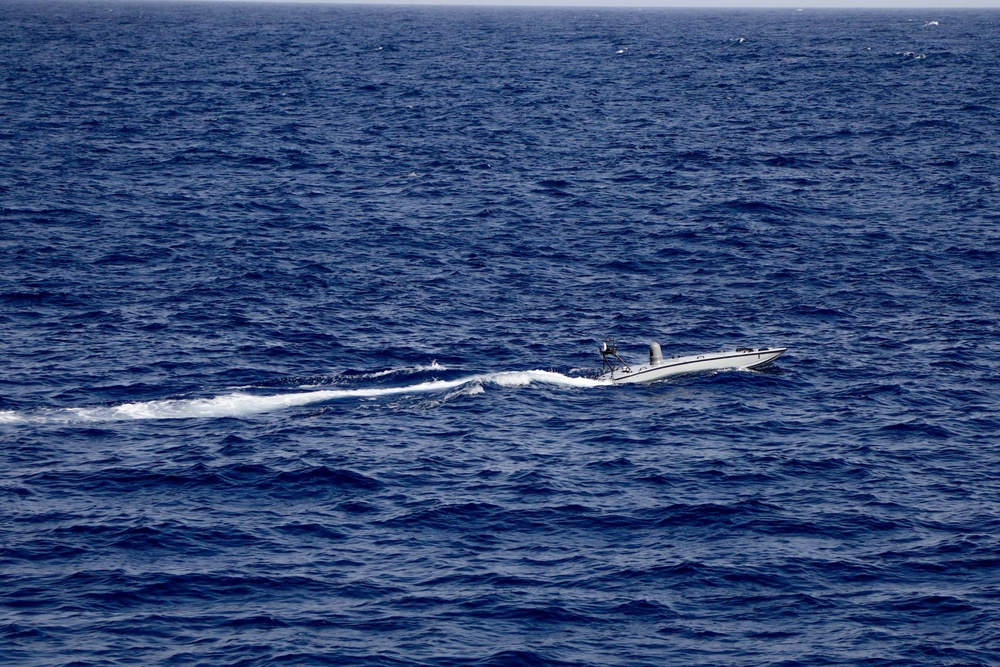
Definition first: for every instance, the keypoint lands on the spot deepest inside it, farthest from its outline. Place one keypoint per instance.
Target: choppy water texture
(300, 314)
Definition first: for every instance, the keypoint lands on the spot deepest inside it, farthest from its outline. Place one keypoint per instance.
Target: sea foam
(240, 403)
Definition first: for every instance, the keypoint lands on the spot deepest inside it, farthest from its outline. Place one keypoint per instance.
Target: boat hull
(713, 361)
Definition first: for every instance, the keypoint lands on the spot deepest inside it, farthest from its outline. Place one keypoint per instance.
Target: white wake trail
(240, 404)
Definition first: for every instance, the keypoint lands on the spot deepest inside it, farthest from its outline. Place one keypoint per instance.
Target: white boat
(618, 371)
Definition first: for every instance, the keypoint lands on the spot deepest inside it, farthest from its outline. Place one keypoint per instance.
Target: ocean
(300, 308)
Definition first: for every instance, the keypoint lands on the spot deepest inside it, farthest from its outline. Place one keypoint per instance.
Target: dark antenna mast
(610, 359)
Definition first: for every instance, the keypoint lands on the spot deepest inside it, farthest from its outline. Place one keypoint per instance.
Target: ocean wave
(236, 235)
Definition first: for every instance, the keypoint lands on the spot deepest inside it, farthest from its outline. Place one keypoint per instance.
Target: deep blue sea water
(299, 315)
